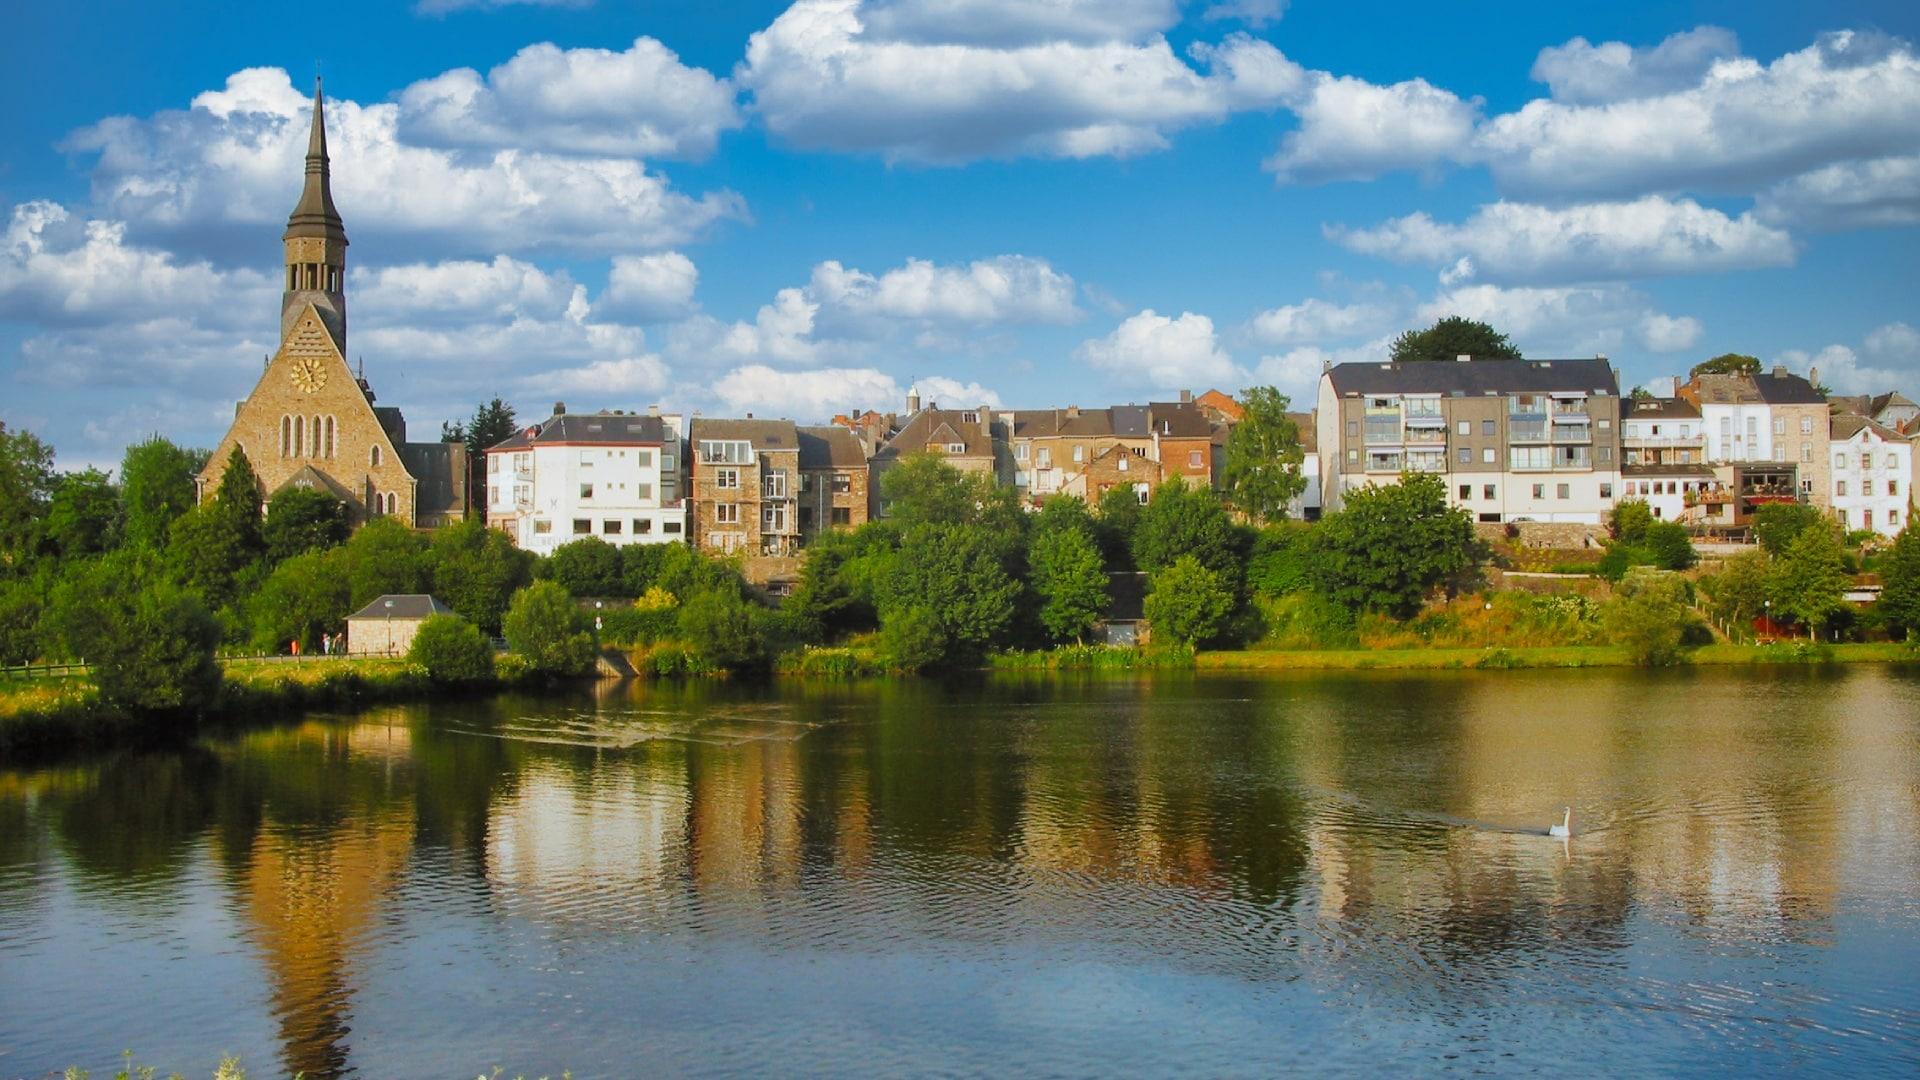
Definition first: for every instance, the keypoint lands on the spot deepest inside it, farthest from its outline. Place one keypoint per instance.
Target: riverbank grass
(1559, 656)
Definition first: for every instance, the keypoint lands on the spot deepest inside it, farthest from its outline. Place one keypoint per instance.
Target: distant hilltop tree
(1732, 363)
(1452, 338)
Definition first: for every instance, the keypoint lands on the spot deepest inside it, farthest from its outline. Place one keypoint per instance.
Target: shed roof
(1661, 409)
(405, 606)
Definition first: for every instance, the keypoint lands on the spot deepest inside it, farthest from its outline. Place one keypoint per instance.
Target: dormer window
(956, 448)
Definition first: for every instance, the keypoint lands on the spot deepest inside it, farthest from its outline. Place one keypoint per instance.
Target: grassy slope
(1547, 657)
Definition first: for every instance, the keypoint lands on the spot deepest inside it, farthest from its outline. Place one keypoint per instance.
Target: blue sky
(800, 208)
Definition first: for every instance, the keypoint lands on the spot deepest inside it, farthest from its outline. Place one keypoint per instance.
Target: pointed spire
(315, 215)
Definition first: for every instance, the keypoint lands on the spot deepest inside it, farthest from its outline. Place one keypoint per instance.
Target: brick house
(964, 438)
(1115, 466)
(833, 481)
(746, 486)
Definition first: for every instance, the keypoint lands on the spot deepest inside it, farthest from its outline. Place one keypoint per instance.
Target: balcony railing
(1572, 433)
(1427, 436)
(1708, 498)
(1569, 408)
(1527, 431)
(1656, 442)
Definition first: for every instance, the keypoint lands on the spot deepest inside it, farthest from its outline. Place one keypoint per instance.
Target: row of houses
(1554, 441)
(1547, 442)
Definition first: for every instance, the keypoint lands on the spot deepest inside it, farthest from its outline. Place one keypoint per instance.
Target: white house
(615, 475)
(1872, 468)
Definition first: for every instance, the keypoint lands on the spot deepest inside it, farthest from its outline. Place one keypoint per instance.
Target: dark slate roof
(1661, 409)
(1779, 387)
(830, 447)
(314, 479)
(1180, 419)
(765, 435)
(405, 606)
(440, 473)
(315, 215)
(1131, 421)
(1476, 377)
(611, 429)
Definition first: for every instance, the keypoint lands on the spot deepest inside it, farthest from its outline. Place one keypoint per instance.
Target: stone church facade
(310, 420)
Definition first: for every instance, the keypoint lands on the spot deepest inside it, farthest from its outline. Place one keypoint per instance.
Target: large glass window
(1529, 457)
(725, 451)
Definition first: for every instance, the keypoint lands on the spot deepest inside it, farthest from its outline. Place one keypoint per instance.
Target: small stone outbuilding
(386, 626)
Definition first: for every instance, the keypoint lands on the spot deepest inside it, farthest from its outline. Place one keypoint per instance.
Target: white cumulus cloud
(650, 288)
(1351, 129)
(638, 102)
(1583, 73)
(1157, 352)
(1545, 322)
(816, 395)
(1511, 241)
(1888, 359)
(1881, 193)
(230, 166)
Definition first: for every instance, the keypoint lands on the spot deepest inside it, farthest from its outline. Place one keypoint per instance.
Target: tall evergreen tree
(239, 502)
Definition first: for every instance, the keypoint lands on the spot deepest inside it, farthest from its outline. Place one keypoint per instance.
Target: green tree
(205, 554)
(304, 597)
(156, 654)
(26, 489)
(1071, 582)
(84, 516)
(1737, 594)
(490, 425)
(1264, 456)
(1777, 525)
(722, 628)
(1899, 605)
(452, 650)
(547, 629)
(956, 573)
(1669, 547)
(924, 490)
(1061, 513)
(157, 487)
(300, 520)
(1119, 518)
(1628, 520)
(1727, 364)
(1184, 520)
(1809, 580)
(589, 567)
(22, 605)
(1649, 615)
(238, 503)
(835, 597)
(1451, 338)
(382, 558)
(1188, 602)
(1392, 545)
(1278, 565)
(476, 570)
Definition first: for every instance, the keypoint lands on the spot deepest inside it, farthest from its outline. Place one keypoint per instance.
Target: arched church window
(373, 457)
(299, 435)
(330, 443)
(316, 437)
(286, 435)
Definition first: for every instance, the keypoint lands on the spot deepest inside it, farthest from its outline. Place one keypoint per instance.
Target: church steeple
(316, 241)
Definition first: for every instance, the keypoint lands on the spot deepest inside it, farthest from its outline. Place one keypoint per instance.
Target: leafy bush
(1629, 520)
(638, 626)
(1392, 545)
(1069, 578)
(1307, 620)
(154, 652)
(589, 567)
(544, 626)
(721, 627)
(1668, 547)
(452, 651)
(1279, 562)
(1650, 616)
(913, 639)
(1189, 603)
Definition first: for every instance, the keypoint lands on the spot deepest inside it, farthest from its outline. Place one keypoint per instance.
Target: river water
(1183, 874)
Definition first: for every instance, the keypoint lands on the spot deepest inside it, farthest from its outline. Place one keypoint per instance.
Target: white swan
(1565, 828)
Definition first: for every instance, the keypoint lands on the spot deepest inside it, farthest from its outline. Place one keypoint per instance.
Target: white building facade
(618, 476)
(1872, 468)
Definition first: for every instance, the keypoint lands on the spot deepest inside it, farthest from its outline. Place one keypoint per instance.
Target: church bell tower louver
(316, 242)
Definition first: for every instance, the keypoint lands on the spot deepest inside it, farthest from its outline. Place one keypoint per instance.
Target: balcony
(1572, 410)
(1426, 436)
(1526, 431)
(1572, 433)
(1664, 442)
(1708, 498)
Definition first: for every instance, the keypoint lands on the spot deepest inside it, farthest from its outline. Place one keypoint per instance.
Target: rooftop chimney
(559, 408)
(1779, 371)
(1186, 397)
(653, 410)
(1813, 376)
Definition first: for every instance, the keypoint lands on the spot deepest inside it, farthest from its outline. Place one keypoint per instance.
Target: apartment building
(966, 439)
(1663, 461)
(1872, 475)
(833, 480)
(1052, 448)
(746, 486)
(1776, 418)
(613, 475)
(1515, 440)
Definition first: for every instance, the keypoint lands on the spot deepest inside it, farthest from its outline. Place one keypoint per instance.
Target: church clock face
(309, 373)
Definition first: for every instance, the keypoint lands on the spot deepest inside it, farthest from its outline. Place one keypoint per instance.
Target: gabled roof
(1215, 401)
(926, 428)
(1131, 421)
(1476, 377)
(765, 435)
(1846, 426)
(403, 606)
(312, 478)
(605, 428)
(1882, 402)
(830, 447)
(1781, 387)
